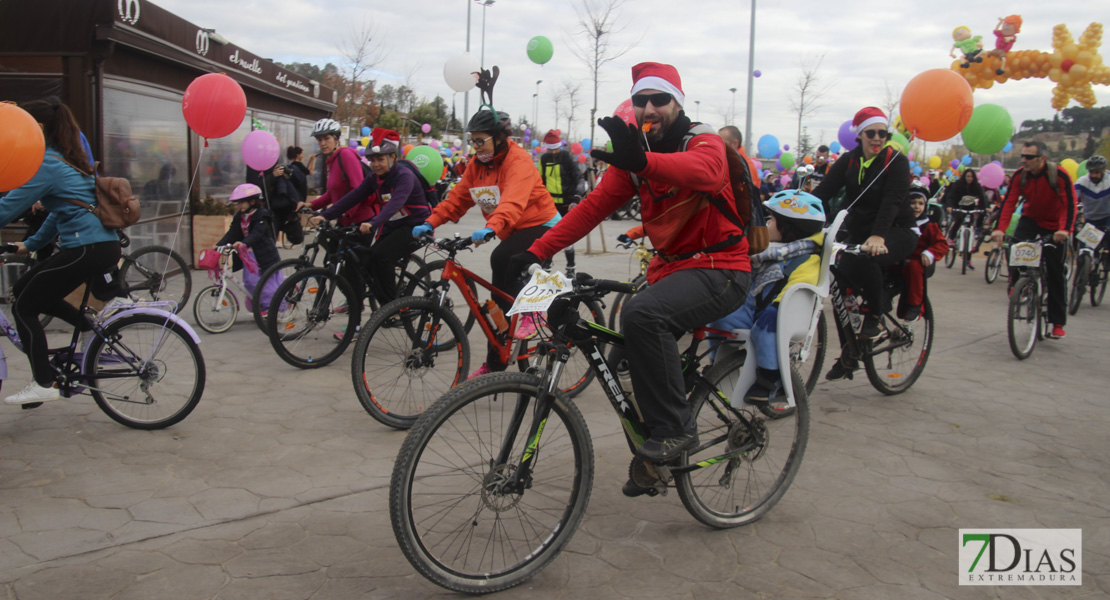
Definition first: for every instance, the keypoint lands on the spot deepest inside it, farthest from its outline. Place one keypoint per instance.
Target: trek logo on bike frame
(610, 382)
(1021, 556)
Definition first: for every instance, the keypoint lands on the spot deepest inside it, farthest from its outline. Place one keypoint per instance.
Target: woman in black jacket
(966, 186)
(876, 181)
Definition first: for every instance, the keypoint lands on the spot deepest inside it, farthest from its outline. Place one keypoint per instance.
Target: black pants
(508, 282)
(1053, 263)
(864, 273)
(43, 289)
(381, 262)
(653, 320)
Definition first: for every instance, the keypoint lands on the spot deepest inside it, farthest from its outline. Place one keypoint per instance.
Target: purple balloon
(260, 150)
(778, 154)
(362, 150)
(955, 163)
(846, 136)
(425, 128)
(786, 146)
(528, 131)
(353, 143)
(756, 73)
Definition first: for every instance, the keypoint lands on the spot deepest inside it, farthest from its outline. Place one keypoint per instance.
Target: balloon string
(185, 206)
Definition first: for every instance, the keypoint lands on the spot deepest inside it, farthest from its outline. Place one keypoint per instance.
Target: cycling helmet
(802, 209)
(245, 191)
(916, 189)
(1096, 162)
(326, 127)
(490, 121)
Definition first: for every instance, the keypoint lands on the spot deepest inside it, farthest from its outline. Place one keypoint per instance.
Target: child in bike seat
(794, 222)
(922, 261)
(253, 227)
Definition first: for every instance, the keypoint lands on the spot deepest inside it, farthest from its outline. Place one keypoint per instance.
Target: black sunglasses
(479, 141)
(1030, 156)
(882, 133)
(657, 100)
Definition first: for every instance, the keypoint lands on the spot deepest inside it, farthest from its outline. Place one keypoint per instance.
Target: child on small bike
(922, 261)
(253, 227)
(794, 222)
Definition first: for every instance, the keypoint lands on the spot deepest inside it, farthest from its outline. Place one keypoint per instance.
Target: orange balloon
(936, 104)
(22, 147)
(405, 150)
(807, 159)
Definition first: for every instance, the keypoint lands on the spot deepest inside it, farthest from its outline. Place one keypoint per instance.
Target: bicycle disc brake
(496, 494)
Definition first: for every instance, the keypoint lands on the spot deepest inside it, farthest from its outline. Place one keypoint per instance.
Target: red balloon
(22, 147)
(576, 148)
(214, 105)
(582, 159)
(626, 112)
(1067, 65)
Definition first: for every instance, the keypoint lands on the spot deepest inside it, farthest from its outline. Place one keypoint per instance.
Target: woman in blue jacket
(87, 248)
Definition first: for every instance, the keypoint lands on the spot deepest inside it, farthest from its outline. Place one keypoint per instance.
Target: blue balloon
(834, 147)
(966, 159)
(917, 170)
(535, 143)
(768, 146)
(586, 143)
(365, 131)
(1009, 146)
(446, 151)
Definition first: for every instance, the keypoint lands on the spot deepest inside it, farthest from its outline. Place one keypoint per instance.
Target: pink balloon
(425, 128)
(434, 144)
(785, 180)
(626, 112)
(991, 176)
(260, 150)
(924, 181)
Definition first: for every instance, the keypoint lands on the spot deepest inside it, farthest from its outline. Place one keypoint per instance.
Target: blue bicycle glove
(482, 235)
(421, 229)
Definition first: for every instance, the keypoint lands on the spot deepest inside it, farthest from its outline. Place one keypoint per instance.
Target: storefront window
(145, 141)
(222, 167)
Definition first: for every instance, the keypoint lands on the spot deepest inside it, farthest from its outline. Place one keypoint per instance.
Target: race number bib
(540, 291)
(1025, 254)
(486, 197)
(1090, 235)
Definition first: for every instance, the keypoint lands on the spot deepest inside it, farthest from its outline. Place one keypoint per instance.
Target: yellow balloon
(366, 140)
(1070, 166)
(934, 162)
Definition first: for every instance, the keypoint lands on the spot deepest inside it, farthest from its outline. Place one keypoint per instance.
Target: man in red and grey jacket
(701, 272)
(1049, 210)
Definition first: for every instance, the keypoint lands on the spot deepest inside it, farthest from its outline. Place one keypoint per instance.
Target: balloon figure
(1005, 33)
(968, 45)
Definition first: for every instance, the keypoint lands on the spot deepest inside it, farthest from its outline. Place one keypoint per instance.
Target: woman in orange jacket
(504, 183)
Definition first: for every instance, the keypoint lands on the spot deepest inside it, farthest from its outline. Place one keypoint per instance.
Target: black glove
(627, 153)
(518, 266)
(623, 238)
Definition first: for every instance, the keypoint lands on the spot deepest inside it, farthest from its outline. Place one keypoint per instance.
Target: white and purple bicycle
(141, 363)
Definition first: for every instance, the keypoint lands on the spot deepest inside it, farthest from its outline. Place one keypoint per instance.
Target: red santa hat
(866, 117)
(383, 141)
(551, 140)
(658, 76)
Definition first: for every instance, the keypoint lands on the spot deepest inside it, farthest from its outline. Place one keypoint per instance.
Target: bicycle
(965, 238)
(495, 477)
(995, 262)
(1027, 320)
(134, 353)
(314, 314)
(216, 307)
(155, 273)
(284, 269)
(1090, 268)
(414, 349)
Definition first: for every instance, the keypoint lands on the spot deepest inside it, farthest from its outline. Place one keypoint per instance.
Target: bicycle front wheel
(313, 318)
(399, 367)
(145, 373)
(432, 273)
(765, 452)
(894, 364)
(154, 273)
(1079, 282)
(950, 258)
(993, 266)
(283, 270)
(577, 372)
(215, 309)
(1024, 317)
(453, 511)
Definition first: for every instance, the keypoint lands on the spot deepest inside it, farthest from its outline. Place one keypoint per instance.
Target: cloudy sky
(868, 48)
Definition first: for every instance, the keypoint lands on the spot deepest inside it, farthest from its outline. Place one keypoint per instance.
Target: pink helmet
(244, 191)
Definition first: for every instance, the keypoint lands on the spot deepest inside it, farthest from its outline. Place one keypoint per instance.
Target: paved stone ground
(276, 486)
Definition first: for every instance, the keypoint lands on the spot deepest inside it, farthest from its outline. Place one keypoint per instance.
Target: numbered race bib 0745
(1090, 235)
(1025, 254)
(540, 291)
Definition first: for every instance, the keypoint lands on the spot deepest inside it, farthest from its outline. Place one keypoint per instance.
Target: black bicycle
(1092, 264)
(495, 477)
(1026, 317)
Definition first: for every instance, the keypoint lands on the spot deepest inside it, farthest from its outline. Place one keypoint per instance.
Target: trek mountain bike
(495, 477)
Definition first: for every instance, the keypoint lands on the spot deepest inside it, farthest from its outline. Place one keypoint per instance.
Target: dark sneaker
(872, 330)
(661, 450)
(839, 371)
(1057, 333)
(632, 490)
(913, 313)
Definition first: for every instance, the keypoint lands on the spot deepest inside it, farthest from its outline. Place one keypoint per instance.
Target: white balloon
(461, 72)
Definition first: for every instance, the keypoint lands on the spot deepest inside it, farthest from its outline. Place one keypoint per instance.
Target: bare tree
(571, 92)
(891, 98)
(362, 51)
(810, 92)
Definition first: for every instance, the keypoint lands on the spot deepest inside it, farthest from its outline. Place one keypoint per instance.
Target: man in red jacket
(701, 272)
(1049, 210)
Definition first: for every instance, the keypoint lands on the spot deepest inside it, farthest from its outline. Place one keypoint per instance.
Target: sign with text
(1021, 557)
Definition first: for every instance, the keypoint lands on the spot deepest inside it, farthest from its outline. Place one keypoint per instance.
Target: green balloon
(1082, 170)
(988, 130)
(609, 148)
(428, 160)
(787, 160)
(540, 49)
(899, 142)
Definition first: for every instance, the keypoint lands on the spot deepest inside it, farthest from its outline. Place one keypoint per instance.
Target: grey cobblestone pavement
(276, 486)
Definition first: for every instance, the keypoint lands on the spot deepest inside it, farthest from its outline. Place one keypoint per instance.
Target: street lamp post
(697, 114)
(732, 115)
(466, 95)
(751, 70)
(485, 4)
(536, 110)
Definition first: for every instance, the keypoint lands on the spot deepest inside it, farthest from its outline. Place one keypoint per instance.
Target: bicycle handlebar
(9, 248)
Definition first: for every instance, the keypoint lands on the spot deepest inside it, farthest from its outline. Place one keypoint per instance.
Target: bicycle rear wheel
(215, 309)
(154, 273)
(741, 489)
(1079, 282)
(1024, 317)
(282, 269)
(1098, 289)
(313, 318)
(894, 364)
(398, 366)
(451, 512)
(993, 265)
(145, 373)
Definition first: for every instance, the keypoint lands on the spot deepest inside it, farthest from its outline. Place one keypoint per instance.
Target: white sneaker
(34, 393)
